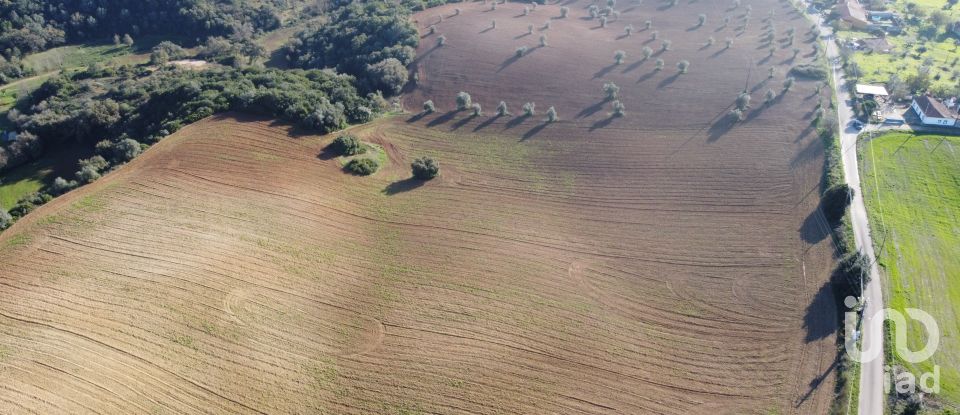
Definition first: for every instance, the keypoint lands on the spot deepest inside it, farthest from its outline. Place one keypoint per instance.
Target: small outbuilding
(874, 90)
(933, 112)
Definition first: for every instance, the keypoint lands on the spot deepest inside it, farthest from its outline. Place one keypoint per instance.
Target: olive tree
(477, 110)
(736, 114)
(646, 52)
(617, 109)
(619, 56)
(552, 115)
(529, 29)
(441, 40)
(520, 51)
(502, 109)
(647, 25)
(529, 109)
(628, 30)
(769, 97)
(728, 43)
(682, 66)
(665, 46)
(743, 101)
(658, 65)
(603, 21)
(788, 83)
(564, 11)
(611, 90)
(654, 34)
(463, 101)
(428, 106)
(543, 40)
(701, 19)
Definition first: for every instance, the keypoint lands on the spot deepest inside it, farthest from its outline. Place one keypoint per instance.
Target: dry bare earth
(651, 265)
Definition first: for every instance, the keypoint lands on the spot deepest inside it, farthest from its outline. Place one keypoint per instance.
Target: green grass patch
(911, 186)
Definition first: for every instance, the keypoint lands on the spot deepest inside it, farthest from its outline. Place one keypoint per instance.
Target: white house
(933, 112)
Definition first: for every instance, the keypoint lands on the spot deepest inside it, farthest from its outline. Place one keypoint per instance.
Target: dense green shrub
(357, 36)
(425, 168)
(5, 219)
(835, 201)
(362, 166)
(348, 145)
(28, 203)
(810, 71)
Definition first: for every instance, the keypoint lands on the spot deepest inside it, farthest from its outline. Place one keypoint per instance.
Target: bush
(463, 101)
(5, 219)
(425, 168)
(61, 186)
(362, 166)
(835, 202)
(809, 71)
(347, 145)
(87, 174)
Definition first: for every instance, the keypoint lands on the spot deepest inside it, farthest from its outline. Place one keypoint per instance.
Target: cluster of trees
(36, 25)
(372, 41)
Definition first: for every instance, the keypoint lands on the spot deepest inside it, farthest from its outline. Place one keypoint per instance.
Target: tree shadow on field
(821, 317)
(719, 52)
(328, 153)
(603, 72)
(668, 81)
(486, 123)
(404, 185)
(534, 131)
(416, 117)
(647, 75)
(522, 35)
(603, 123)
(634, 65)
(516, 121)
(721, 126)
(513, 58)
(464, 121)
(442, 119)
(588, 111)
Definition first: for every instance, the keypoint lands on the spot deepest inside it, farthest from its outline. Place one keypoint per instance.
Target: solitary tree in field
(441, 18)
(647, 52)
(502, 109)
(493, 6)
(546, 25)
(683, 66)
(603, 21)
(552, 115)
(654, 34)
(617, 109)
(743, 101)
(769, 97)
(728, 43)
(710, 41)
(529, 29)
(522, 50)
(564, 11)
(428, 106)
(771, 72)
(526, 11)
(796, 51)
(116, 40)
(431, 29)
(618, 57)
(456, 12)
(463, 101)
(477, 109)
(665, 46)
(127, 40)
(529, 109)
(594, 11)
(701, 19)
(611, 90)
(788, 84)
(772, 51)
(425, 168)
(647, 25)
(628, 30)
(658, 65)
(543, 40)
(441, 40)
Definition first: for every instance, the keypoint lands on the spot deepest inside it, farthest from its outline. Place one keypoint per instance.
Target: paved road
(871, 373)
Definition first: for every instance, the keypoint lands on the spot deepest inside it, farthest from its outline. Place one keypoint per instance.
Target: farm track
(649, 266)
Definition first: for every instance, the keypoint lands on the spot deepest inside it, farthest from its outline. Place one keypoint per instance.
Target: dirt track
(651, 264)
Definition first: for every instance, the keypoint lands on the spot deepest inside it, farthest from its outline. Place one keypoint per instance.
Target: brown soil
(656, 263)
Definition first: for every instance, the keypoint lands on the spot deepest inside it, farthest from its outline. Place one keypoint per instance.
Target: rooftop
(933, 108)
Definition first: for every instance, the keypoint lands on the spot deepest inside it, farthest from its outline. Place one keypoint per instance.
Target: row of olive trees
(465, 102)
